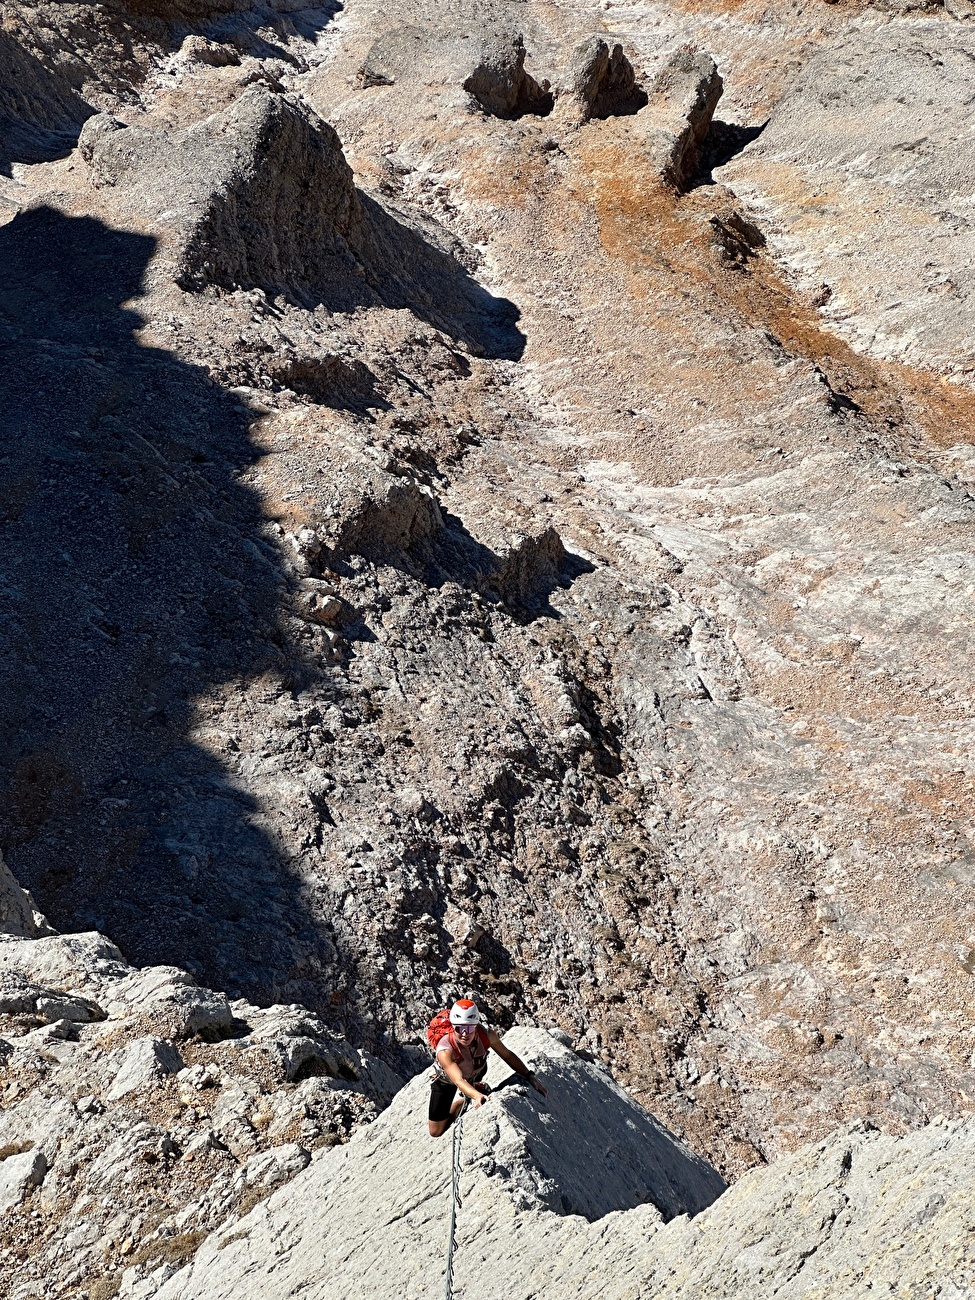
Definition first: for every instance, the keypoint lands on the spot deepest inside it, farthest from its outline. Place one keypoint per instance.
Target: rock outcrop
(470, 556)
(584, 1197)
(502, 87)
(603, 83)
(257, 196)
(139, 1109)
(19, 917)
(487, 62)
(665, 124)
(40, 113)
(682, 101)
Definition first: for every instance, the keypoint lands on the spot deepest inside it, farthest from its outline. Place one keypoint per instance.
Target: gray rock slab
(63, 960)
(68, 1007)
(142, 1064)
(860, 1209)
(372, 1216)
(863, 180)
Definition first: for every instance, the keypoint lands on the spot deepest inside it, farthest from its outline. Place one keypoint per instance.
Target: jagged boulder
(175, 1007)
(257, 195)
(682, 101)
(530, 566)
(603, 83)
(667, 123)
(389, 517)
(19, 1172)
(19, 917)
(501, 86)
(143, 1064)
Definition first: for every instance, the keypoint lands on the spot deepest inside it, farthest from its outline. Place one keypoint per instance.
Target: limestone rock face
(858, 1212)
(455, 547)
(528, 1164)
(576, 1198)
(878, 127)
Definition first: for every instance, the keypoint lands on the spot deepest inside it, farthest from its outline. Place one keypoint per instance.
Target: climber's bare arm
(452, 1071)
(516, 1063)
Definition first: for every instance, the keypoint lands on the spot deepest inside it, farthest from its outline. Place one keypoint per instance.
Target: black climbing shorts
(442, 1096)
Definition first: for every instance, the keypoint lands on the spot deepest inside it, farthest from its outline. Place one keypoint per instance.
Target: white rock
(271, 1168)
(18, 1173)
(19, 918)
(64, 960)
(78, 1009)
(562, 1201)
(143, 1064)
(171, 997)
(193, 1081)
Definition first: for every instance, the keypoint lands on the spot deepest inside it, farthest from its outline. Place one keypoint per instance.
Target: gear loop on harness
(454, 1199)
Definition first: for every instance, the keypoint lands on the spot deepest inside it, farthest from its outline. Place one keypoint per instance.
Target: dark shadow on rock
(135, 580)
(330, 381)
(405, 268)
(516, 1081)
(737, 239)
(40, 115)
(724, 141)
(642, 1162)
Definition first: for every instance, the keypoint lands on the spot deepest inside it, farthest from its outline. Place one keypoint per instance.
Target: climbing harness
(454, 1199)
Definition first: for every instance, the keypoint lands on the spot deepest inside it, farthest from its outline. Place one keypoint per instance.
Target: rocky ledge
(586, 1196)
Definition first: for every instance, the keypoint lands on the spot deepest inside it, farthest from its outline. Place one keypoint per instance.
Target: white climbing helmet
(465, 1012)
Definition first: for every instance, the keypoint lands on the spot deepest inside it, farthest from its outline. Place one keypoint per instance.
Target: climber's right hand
(478, 1099)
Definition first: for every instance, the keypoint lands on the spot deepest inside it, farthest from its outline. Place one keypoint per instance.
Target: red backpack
(440, 1026)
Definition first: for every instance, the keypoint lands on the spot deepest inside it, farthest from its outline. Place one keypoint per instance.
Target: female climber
(461, 1042)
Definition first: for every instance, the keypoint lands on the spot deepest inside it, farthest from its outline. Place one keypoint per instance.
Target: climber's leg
(443, 1106)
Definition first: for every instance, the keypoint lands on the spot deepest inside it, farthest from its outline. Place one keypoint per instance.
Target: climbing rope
(454, 1200)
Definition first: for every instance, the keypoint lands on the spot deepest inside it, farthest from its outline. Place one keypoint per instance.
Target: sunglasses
(465, 1029)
